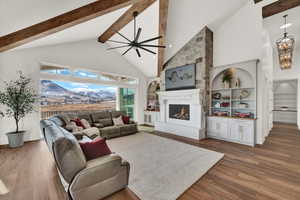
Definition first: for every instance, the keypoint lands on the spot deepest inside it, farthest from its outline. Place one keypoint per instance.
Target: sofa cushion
(95, 148)
(128, 129)
(85, 116)
(103, 118)
(110, 131)
(92, 132)
(58, 120)
(68, 154)
(116, 114)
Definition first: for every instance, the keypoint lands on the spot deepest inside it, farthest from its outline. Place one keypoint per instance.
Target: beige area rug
(161, 168)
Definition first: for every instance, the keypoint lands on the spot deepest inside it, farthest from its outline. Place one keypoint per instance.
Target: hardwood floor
(271, 171)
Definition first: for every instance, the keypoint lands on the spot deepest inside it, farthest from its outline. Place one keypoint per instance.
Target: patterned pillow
(118, 121)
(85, 123)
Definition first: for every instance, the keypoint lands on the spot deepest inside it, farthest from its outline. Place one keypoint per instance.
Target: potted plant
(227, 77)
(19, 98)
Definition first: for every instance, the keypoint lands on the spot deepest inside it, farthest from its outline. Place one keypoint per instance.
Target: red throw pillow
(126, 119)
(78, 122)
(95, 149)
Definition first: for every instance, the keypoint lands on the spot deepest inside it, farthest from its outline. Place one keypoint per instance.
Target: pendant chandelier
(285, 47)
(135, 43)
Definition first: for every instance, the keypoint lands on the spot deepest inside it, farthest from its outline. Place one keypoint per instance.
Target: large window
(127, 101)
(61, 96)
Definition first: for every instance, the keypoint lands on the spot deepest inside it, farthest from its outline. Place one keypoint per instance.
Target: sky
(84, 87)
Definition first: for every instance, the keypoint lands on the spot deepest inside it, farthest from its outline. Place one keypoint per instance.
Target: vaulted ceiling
(185, 19)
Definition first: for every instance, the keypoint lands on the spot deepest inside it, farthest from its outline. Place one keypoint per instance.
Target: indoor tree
(19, 99)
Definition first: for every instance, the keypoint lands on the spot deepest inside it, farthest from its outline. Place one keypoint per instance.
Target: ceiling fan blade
(146, 50)
(123, 36)
(127, 50)
(149, 45)
(118, 47)
(138, 35)
(138, 52)
(156, 38)
(117, 42)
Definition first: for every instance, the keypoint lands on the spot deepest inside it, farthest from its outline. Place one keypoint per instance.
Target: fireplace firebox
(179, 111)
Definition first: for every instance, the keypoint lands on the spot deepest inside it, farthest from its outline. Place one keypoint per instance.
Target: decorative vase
(15, 139)
(226, 84)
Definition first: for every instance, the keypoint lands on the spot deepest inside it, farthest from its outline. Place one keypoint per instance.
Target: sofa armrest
(132, 122)
(98, 170)
(98, 125)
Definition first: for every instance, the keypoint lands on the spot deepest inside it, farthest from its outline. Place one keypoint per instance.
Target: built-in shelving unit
(231, 102)
(233, 109)
(285, 101)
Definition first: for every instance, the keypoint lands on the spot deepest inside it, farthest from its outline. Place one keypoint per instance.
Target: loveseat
(101, 124)
(88, 180)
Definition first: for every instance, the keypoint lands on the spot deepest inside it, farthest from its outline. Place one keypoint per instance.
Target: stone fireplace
(181, 113)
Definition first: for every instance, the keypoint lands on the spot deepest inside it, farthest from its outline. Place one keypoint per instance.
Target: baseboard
(6, 146)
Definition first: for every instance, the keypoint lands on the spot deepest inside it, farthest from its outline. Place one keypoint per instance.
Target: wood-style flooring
(270, 171)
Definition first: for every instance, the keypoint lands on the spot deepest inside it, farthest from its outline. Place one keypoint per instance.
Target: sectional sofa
(101, 122)
(83, 179)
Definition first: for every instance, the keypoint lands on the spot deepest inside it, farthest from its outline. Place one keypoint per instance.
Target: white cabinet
(218, 127)
(234, 130)
(150, 117)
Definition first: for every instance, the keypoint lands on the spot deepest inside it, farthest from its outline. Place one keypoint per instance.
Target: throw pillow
(95, 148)
(77, 122)
(72, 127)
(126, 119)
(85, 123)
(118, 121)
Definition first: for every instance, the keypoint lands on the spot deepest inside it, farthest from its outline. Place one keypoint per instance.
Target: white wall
(239, 38)
(84, 54)
(187, 17)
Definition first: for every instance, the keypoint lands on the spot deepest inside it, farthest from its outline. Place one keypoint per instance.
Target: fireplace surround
(181, 113)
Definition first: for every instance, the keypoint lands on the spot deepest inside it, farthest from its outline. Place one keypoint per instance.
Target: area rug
(161, 168)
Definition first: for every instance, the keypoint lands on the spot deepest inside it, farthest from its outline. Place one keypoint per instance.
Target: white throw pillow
(118, 121)
(85, 123)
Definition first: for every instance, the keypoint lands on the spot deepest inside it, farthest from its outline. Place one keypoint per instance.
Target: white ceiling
(272, 25)
(186, 18)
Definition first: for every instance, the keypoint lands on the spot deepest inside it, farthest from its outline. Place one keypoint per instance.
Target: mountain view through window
(61, 96)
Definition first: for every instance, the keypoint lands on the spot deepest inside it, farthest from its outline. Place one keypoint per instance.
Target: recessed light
(285, 26)
(170, 45)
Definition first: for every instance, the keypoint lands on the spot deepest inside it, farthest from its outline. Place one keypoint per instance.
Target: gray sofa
(88, 180)
(101, 120)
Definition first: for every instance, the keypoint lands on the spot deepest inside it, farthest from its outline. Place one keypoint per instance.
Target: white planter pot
(15, 139)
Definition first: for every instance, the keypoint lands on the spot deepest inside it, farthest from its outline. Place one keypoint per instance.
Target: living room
(125, 100)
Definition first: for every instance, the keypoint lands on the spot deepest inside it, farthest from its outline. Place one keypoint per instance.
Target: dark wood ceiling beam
(125, 19)
(279, 6)
(62, 22)
(257, 1)
(163, 19)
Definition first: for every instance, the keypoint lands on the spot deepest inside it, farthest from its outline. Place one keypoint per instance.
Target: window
(127, 80)
(71, 97)
(127, 101)
(55, 70)
(85, 74)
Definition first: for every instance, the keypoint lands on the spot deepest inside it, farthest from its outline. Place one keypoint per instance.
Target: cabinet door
(247, 132)
(223, 128)
(217, 127)
(234, 132)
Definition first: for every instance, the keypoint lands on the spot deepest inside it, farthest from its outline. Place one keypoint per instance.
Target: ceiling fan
(135, 43)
